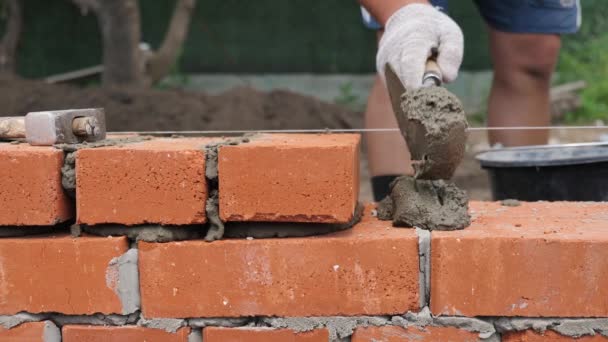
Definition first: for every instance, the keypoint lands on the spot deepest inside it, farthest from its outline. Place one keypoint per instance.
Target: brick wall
(536, 272)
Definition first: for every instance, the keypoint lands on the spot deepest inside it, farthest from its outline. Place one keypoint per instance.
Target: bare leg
(523, 65)
(387, 152)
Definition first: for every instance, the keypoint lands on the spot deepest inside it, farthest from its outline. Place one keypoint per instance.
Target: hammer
(56, 127)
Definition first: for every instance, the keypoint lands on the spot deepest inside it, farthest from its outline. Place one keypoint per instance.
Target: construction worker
(524, 46)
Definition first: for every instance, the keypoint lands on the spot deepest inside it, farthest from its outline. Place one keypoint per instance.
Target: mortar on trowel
(433, 123)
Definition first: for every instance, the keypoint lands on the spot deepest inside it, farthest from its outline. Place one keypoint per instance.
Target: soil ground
(240, 108)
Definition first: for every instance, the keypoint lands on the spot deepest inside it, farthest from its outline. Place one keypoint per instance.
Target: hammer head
(57, 127)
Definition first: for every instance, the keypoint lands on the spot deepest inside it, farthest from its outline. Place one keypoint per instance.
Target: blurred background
(268, 64)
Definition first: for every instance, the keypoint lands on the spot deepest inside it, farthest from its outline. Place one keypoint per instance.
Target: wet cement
(215, 225)
(267, 230)
(147, 233)
(510, 203)
(433, 123)
(425, 204)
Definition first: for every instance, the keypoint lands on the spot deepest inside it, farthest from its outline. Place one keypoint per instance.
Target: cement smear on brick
(425, 204)
(339, 327)
(510, 203)
(96, 319)
(571, 327)
(433, 123)
(148, 233)
(59, 319)
(218, 322)
(122, 276)
(167, 324)
(11, 321)
(264, 230)
(51, 332)
(343, 327)
(68, 171)
(424, 318)
(424, 271)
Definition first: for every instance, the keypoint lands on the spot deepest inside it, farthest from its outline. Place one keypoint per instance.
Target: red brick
(58, 274)
(30, 178)
(290, 178)
(262, 335)
(90, 333)
(399, 334)
(371, 269)
(28, 332)
(157, 181)
(532, 336)
(539, 259)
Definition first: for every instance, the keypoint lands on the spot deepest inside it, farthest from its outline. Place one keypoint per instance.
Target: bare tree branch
(10, 40)
(160, 63)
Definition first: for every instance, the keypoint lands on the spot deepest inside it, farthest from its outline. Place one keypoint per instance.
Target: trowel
(432, 121)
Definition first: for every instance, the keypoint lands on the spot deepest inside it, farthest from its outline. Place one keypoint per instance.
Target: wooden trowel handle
(12, 128)
(432, 74)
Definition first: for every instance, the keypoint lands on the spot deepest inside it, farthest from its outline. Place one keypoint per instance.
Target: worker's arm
(412, 29)
(381, 10)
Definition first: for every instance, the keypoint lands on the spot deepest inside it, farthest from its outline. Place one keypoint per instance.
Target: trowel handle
(432, 74)
(12, 127)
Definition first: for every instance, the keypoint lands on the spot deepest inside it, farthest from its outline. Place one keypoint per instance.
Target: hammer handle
(82, 126)
(12, 127)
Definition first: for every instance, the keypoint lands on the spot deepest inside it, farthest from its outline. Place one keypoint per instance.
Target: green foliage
(348, 98)
(585, 57)
(176, 78)
(477, 119)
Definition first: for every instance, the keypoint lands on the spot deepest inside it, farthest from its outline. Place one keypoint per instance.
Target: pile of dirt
(151, 109)
(239, 108)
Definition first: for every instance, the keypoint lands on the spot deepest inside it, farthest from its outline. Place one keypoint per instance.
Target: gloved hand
(410, 34)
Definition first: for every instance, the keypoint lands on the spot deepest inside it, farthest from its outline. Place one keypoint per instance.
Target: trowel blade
(395, 89)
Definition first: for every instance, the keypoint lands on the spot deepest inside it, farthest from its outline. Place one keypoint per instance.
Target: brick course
(539, 259)
(337, 274)
(290, 178)
(156, 181)
(58, 274)
(31, 192)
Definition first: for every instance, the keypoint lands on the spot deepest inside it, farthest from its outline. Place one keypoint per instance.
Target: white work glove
(410, 35)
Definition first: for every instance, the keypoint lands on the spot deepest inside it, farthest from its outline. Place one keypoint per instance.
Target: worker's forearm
(381, 10)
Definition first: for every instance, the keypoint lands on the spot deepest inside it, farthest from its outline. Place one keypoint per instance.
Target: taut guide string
(354, 130)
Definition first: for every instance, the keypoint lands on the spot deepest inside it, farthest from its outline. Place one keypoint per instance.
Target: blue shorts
(518, 16)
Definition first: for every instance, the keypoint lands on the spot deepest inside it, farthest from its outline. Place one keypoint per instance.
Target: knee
(533, 60)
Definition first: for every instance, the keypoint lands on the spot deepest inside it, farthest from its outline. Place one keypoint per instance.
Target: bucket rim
(493, 159)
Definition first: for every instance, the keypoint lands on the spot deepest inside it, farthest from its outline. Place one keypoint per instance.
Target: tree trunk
(123, 61)
(160, 63)
(10, 40)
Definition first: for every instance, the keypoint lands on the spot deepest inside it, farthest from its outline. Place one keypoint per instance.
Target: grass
(588, 61)
(584, 56)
